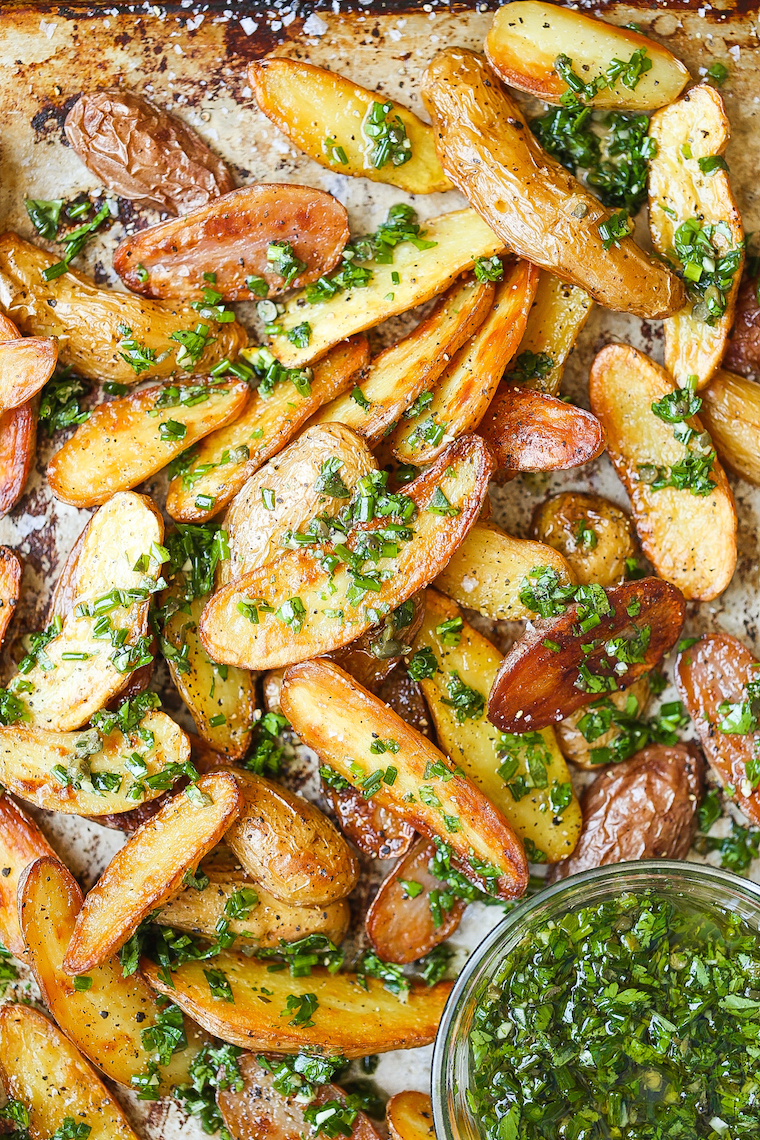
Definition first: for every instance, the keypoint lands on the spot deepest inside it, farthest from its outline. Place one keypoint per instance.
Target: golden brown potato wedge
(127, 440)
(409, 1116)
(487, 570)
(687, 185)
(336, 123)
(370, 746)
(400, 374)
(572, 732)
(77, 673)
(533, 431)
(219, 466)
(376, 831)
(21, 842)
(288, 846)
(18, 435)
(461, 395)
(526, 778)
(527, 38)
(144, 153)
(713, 678)
(241, 626)
(10, 586)
(352, 1018)
(731, 413)
(59, 771)
(594, 535)
(460, 238)
(49, 902)
(374, 656)
(687, 532)
(549, 673)
(26, 365)
(535, 206)
(150, 867)
(234, 233)
(92, 324)
(402, 926)
(559, 312)
(42, 1069)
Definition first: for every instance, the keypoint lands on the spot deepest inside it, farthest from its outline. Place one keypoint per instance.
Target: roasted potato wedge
(235, 232)
(49, 901)
(342, 722)
(18, 436)
(220, 465)
(533, 431)
(559, 312)
(143, 153)
(21, 842)
(376, 831)
(405, 696)
(127, 440)
(547, 674)
(731, 413)
(590, 754)
(92, 324)
(65, 589)
(42, 1069)
(690, 538)
(352, 1019)
(713, 678)
(487, 570)
(409, 1116)
(644, 808)
(460, 238)
(402, 928)
(256, 638)
(743, 349)
(537, 208)
(526, 778)
(527, 39)
(594, 535)
(400, 374)
(288, 846)
(59, 771)
(336, 123)
(77, 673)
(10, 586)
(26, 365)
(463, 392)
(373, 657)
(688, 186)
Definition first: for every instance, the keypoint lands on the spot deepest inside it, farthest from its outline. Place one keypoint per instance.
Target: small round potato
(594, 535)
(573, 743)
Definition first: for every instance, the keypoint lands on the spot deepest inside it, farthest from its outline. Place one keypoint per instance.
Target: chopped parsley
(467, 703)
(488, 269)
(137, 356)
(192, 345)
(707, 265)
(530, 366)
(631, 732)
(628, 72)
(387, 134)
(74, 243)
(214, 1067)
(60, 405)
(392, 976)
(282, 258)
(300, 1010)
(422, 664)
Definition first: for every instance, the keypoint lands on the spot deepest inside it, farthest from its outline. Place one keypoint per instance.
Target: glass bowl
(710, 887)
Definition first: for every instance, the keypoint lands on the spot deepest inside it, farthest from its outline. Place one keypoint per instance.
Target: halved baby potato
(21, 842)
(26, 365)
(10, 587)
(409, 1116)
(559, 312)
(18, 436)
(594, 535)
(731, 413)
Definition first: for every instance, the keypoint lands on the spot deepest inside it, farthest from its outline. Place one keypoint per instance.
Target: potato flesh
(87, 320)
(26, 365)
(573, 743)
(678, 191)
(533, 431)
(487, 571)
(461, 238)
(121, 445)
(402, 372)
(525, 40)
(216, 474)
(689, 539)
(535, 206)
(228, 635)
(555, 321)
(340, 720)
(461, 395)
(566, 521)
(731, 413)
(10, 585)
(409, 1116)
(21, 842)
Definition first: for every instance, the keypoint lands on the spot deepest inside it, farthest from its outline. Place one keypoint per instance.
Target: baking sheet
(191, 58)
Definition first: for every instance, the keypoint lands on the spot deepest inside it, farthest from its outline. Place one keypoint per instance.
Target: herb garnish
(388, 136)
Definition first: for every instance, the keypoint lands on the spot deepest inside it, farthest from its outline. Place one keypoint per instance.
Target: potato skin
(731, 413)
(743, 350)
(21, 842)
(143, 153)
(644, 808)
(557, 522)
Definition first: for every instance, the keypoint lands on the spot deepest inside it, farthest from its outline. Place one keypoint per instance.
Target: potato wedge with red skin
(526, 38)
(373, 829)
(18, 436)
(400, 928)
(233, 233)
(409, 1116)
(538, 209)
(743, 349)
(263, 429)
(689, 539)
(42, 1070)
(26, 365)
(536, 685)
(717, 669)
(352, 1019)
(10, 587)
(21, 842)
(731, 413)
(533, 431)
(143, 153)
(644, 808)
(340, 720)
(229, 636)
(149, 869)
